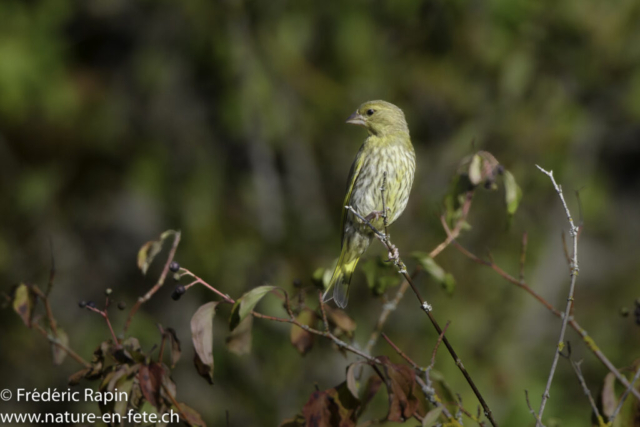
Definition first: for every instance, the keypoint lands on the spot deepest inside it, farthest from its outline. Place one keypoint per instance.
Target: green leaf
(246, 303)
(431, 418)
(23, 303)
(512, 193)
(149, 250)
(202, 336)
(446, 280)
(380, 276)
(239, 341)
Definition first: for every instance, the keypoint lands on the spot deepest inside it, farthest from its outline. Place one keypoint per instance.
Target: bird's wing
(353, 176)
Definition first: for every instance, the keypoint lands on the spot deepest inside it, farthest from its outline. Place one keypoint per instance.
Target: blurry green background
(225, 119)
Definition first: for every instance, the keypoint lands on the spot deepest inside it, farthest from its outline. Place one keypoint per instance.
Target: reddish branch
(159, 283)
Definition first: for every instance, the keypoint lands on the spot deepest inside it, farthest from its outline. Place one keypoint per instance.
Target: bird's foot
(374, 215)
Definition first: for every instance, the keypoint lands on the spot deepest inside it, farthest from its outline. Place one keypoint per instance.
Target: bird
(387, 155)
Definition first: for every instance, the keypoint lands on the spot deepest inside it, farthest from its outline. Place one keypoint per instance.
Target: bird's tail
(341, 277)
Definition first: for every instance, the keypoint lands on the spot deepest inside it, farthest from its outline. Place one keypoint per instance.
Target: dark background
(225, 119)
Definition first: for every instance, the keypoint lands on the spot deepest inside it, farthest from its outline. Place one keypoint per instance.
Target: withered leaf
(76, 377)
(58, 353)
(176, 350)
(202, 336)
(150, 379)
(189, 415)
(303, 340)
(149, 250)
(333, 407)
(340, 319)
(404, 390)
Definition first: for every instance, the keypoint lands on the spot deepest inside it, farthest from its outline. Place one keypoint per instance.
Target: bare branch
(573, 232)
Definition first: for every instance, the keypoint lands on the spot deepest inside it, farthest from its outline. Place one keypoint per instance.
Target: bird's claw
(374, 215)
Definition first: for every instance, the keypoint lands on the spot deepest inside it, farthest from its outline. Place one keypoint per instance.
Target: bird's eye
(370, 112)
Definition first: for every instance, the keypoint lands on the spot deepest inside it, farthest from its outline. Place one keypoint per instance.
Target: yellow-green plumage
(387, 149)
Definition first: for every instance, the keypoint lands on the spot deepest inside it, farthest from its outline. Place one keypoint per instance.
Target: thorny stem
(427, 309)
(159, 283)
(574, 274)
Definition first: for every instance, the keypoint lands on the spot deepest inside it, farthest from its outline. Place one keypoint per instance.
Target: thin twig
(159, 283)
(526, 396)
(105, 316)
(574, 274)
(523, 255)
(572, 321)
(401, 353)
(624, 396)
(47, 307)
(435, 348)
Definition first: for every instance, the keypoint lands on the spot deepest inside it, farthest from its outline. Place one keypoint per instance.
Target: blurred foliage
(224, 119)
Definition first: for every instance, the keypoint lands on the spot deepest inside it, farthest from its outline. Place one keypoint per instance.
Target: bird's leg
(374, 215)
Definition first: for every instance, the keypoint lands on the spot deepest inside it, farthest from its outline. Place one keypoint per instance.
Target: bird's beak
(356, 119)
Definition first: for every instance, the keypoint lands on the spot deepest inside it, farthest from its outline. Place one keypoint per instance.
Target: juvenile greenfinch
(387, 149)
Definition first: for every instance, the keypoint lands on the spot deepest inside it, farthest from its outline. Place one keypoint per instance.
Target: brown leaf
(58, 353)
(189, 415)
(176, 350)
(404, 390)
(23, 301)
(202, 336)
(150, 379)
(239, 340)
(340, 319)
(333, 407)
(205, 371)
(75, 378)
(303, 340)
(297, 421)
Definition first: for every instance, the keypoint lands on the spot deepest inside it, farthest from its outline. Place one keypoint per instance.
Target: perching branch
(567, 312)
(389, 307)
(424, 305)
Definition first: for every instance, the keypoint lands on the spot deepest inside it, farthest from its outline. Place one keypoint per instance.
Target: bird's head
(379, 117)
